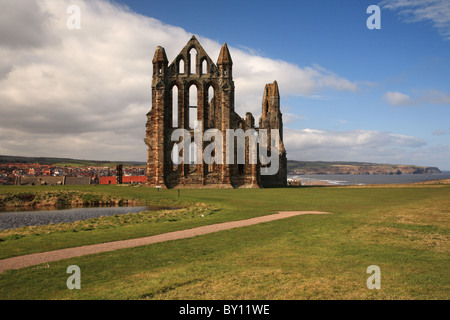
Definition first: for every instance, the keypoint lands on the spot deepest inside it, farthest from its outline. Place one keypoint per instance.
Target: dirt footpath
(44, 257)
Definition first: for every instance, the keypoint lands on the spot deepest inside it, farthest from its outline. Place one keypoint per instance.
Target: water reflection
(14, 219)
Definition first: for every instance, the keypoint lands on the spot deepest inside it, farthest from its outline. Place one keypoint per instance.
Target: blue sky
(411, 58)
(398, 57)
(347, 92)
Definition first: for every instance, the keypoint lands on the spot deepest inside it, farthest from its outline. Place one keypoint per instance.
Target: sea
(362, 179)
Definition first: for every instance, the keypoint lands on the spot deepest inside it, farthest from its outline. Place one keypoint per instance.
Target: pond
(15, 219)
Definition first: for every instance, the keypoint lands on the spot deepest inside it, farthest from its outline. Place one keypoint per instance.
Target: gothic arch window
(175, 122)
(193, 106)
(181, 66)
(193, 154)
(212, 166)
(210, 106)
(204, 66)
(175, 155)
(210, 94)
(193, 61)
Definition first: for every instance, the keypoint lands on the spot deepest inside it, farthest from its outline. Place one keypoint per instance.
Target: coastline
(364, 180)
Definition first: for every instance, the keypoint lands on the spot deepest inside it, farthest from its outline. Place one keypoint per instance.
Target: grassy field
(404, 230)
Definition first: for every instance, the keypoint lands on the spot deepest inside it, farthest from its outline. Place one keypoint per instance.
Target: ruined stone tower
(271, 119)
(195, 94)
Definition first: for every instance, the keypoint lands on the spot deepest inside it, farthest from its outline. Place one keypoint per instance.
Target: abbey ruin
(195, 94)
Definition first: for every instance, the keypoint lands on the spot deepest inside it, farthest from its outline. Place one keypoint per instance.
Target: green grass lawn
(403, 230)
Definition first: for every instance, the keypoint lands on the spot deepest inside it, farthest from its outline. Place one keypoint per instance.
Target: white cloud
(397, 98)
(31, 24)
(290, 117)
(85, 93)
(313, 138)
(436, 12)
(421, 97)
(434, 97)
(438, 132)
(356, 145)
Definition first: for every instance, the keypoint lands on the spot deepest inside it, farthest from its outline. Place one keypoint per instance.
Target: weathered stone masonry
(214, 107)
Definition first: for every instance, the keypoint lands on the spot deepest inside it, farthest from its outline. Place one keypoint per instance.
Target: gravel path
(44, 257)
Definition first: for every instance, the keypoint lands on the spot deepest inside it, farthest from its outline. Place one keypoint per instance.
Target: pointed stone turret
(160, 55)
(224, 56)
(224, 62)
(160, 61)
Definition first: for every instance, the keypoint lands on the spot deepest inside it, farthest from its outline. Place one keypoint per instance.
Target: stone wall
(50, 180)
(212, 106)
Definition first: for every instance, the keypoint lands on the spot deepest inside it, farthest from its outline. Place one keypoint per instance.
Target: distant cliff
(322, 167)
